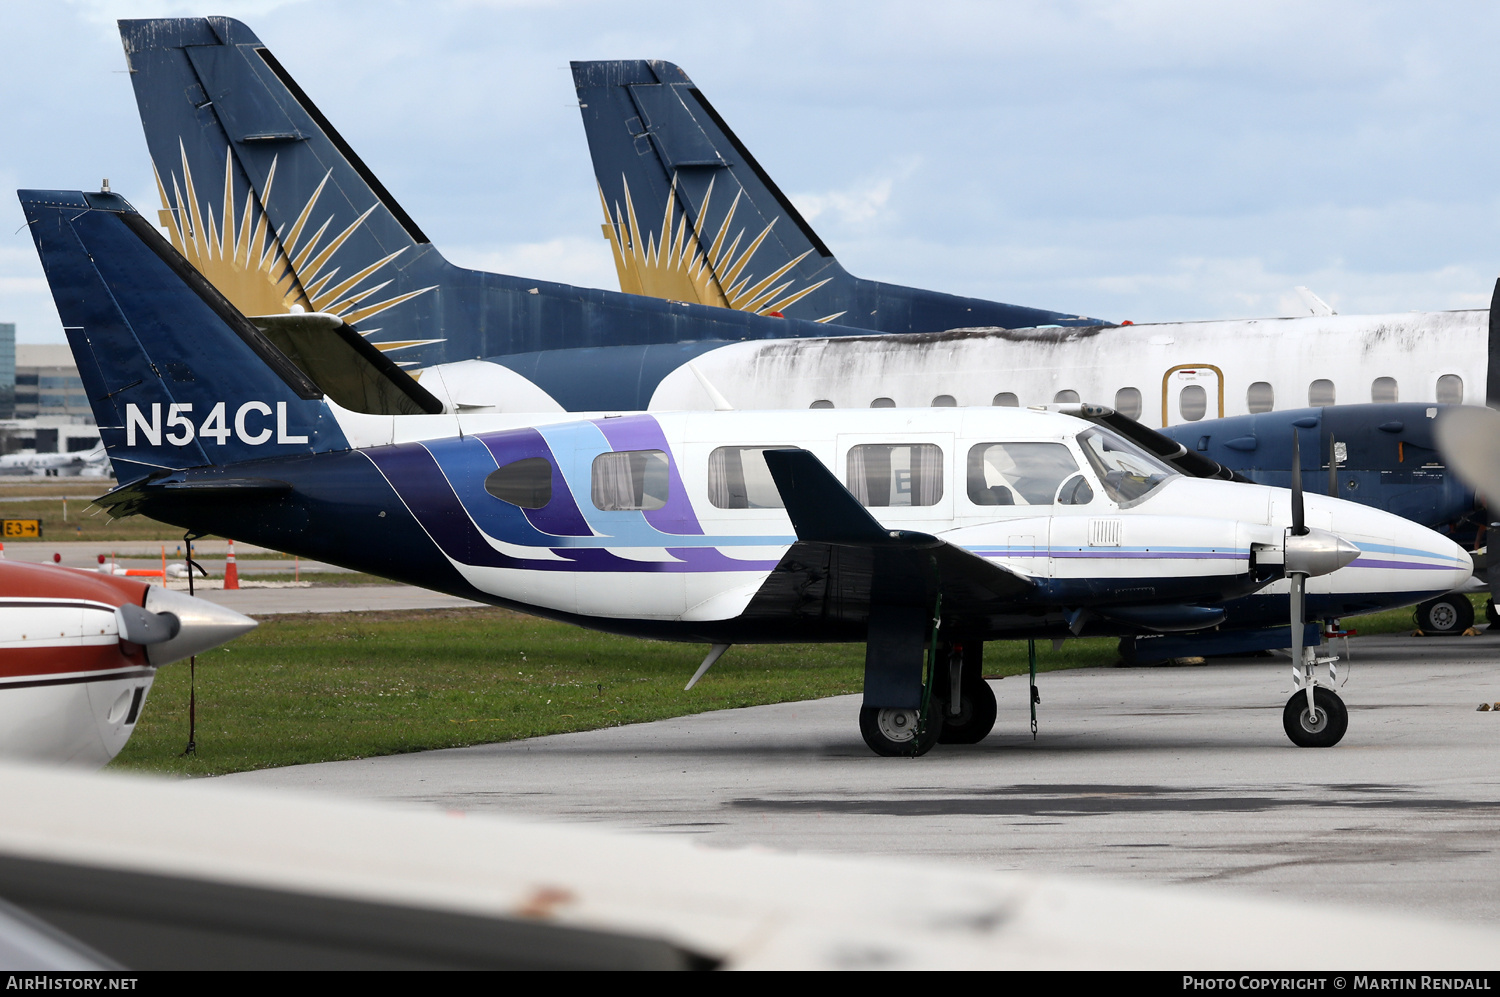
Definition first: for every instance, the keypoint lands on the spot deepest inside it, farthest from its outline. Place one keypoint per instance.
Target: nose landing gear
(1322, 729)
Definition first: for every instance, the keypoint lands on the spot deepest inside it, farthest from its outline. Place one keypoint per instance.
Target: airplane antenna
(714, 654)
(721, 404)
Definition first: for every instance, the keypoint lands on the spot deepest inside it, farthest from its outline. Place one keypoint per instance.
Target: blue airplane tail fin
(691, 216)
(260, 192)
(177, 377)
(689, 213)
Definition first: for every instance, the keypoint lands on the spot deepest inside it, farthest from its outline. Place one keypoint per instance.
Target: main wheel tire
(1447, 614)
(976, 715)
(1324, 732)
(898, 733)
(1490, 612)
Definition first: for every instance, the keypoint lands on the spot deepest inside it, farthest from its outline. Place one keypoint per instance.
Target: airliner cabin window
(739, 479)
(1383, 389)
(1006, 399)
(630, 479)
(1065, 396)
(1320, 392)
(1128, 402)
(1127, 472)
(883, 402)
(526, 483)
(1450, 390)
(1021, 473)
(821, 403)
(896, 474)
(944, 401)
(1193, 402)
(1260, 398)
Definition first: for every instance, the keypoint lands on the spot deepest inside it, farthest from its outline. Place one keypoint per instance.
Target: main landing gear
(897, 732)
(959, 708)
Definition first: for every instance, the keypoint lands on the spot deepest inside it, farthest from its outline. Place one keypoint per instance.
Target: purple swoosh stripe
(1366, 562)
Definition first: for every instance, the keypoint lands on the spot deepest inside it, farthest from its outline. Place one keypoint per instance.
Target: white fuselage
(1163, 374)
(692, 559)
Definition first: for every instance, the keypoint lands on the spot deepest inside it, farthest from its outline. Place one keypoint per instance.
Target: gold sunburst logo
(273, 273)
(674, 262)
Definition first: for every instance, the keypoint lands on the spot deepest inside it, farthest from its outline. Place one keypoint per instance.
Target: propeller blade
(1469, 437)
(1333, 466)
(1299, 525)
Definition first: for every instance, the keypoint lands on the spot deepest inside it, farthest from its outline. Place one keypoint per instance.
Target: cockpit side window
(1127, 472)
(1020, 473)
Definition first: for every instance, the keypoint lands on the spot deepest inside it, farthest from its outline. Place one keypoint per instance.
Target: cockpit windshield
(1129, 473)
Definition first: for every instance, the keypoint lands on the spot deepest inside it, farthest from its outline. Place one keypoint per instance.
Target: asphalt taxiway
(1178, 775)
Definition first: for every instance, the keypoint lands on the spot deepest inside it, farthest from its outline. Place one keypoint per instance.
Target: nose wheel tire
(1447, 614)
(1321, 731)
(976, 715)
(898, 733)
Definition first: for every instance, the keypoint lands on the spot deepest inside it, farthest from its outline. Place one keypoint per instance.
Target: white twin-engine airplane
(922, 532)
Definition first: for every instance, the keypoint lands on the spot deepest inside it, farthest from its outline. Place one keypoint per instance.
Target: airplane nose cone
(203, 625)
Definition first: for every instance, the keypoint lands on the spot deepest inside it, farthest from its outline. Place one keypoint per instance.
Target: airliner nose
(203, 625)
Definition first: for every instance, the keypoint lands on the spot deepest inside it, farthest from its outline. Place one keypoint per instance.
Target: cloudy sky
(1152, 160)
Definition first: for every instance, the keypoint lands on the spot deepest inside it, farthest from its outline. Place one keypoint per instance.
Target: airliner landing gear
(897, 732)
(968, 717)
(1322, 729)
(1447, 614)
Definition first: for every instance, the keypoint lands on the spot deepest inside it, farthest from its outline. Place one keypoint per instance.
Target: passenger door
(1190, 392)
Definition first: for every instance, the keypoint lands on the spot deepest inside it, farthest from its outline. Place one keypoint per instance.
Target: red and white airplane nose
(78, 654)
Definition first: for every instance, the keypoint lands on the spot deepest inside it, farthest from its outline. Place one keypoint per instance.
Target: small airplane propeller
(1469, 437)
(1308, 552)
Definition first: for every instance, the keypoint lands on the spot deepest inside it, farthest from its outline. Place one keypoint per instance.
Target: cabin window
(944, 401)
(1450, 390)
(1193, 402)
(1320, 392)
(738, 478)
(821, 403)
(883, 402)
(1065, 396)
(1019, 473)
(1383, 389)
(1128, 402)
(896, 474)
(630, 479)
(1007, 399)
(526, 483)
(1127, 472)
(1260, 398)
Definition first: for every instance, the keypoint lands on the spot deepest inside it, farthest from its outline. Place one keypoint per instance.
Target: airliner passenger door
(1190, 392)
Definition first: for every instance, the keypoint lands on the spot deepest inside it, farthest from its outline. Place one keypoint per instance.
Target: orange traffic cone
(231, 573)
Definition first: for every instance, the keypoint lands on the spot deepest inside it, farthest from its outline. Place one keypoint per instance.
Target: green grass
(320, 687)
(323, 687)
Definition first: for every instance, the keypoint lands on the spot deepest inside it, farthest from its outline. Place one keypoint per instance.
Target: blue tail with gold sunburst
(268, 201)
(692, 216)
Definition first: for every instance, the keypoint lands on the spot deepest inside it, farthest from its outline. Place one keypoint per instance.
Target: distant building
(7, 370)
(49, 410)
(48, 385)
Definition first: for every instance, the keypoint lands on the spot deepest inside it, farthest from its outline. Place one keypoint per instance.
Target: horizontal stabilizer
(825, 513)
(822, 510)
